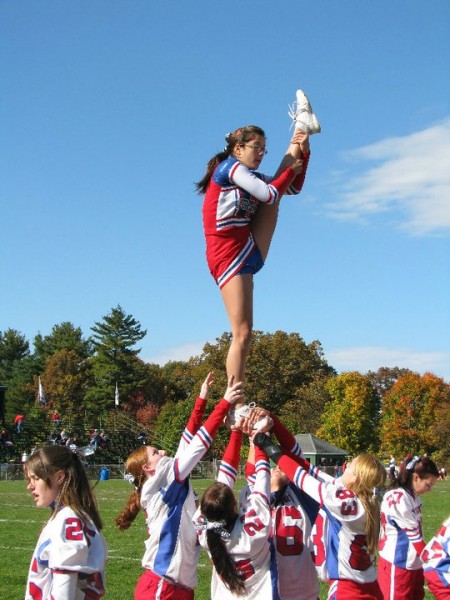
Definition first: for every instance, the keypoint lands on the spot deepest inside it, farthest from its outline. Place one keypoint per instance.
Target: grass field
(20, 523)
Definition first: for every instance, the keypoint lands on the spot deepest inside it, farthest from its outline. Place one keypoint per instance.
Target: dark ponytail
(421, 466)
(241, 136)
(218, 504)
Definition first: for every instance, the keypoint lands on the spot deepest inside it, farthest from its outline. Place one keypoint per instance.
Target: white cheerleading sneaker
(239, 413)
(302, 114)
(235, 415)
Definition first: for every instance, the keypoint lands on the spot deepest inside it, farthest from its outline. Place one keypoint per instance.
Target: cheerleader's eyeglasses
(257, 148)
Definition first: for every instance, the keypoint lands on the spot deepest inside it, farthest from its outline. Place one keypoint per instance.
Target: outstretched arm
(285, 438)
(267, 193)
(291, 447)
(299, 476)
(229, 464)
(204, 437)
(298, 149)
(196, 418)
(250, 465)
(342, 502)
(289, 444)
(262, 473)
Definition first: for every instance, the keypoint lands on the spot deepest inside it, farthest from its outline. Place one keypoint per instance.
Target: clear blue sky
(110, 110)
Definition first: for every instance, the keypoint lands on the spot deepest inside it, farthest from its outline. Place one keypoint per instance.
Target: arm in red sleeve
(215, 419)
(202, 440)
(193, 425)
(260, 454)
(196, 418)
(287, 441)
(282, 182)
(262, 471)
(229, 464)
(249, 471)
(267, 193)
(297, 184)
(292, 449)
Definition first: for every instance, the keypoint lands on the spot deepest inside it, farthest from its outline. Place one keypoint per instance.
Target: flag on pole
(116, 396)
(41, 395)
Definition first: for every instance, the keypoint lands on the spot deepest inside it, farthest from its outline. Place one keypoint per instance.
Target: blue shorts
(254, 263)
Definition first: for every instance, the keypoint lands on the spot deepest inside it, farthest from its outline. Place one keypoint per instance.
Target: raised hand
(204, 390)
(234, 392)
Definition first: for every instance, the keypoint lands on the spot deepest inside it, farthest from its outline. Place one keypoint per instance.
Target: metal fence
(204, 470)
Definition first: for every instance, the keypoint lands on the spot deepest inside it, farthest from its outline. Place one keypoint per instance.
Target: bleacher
(122, 431)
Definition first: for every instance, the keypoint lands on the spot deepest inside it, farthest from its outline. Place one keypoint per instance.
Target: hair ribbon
(202, 524)
(130, 478)
(412, 463)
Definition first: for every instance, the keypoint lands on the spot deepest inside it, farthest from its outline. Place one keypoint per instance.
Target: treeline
(390, 411)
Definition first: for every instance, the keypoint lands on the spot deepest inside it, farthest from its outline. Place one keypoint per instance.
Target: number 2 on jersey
(75, 530)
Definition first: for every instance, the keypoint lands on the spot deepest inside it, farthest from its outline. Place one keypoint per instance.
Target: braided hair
(135, 475)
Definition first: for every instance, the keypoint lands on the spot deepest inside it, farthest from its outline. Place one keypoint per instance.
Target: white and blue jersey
(401, 529)
(231, 200)
(241, 192)
(293, 572)
(346, 552)
(169, 503)
(69, 560)
(248, 545)
(436, 561)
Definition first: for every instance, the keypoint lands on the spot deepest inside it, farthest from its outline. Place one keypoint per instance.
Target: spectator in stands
(54, 438)
(56, 419)
(5, 442)
(104, 442)
(18, 422)
(142, 438)
(95, 439)
(64, 436)
(72, 442)
(3, 437)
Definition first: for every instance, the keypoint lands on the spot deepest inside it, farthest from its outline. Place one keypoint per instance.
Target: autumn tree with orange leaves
(415, 417)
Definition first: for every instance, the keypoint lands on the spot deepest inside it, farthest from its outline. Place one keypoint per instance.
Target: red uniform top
(232, 198)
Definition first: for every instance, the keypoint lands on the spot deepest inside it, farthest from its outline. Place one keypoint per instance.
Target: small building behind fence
(319, 452)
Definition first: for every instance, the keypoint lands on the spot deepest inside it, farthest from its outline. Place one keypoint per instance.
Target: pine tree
(115, 360)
